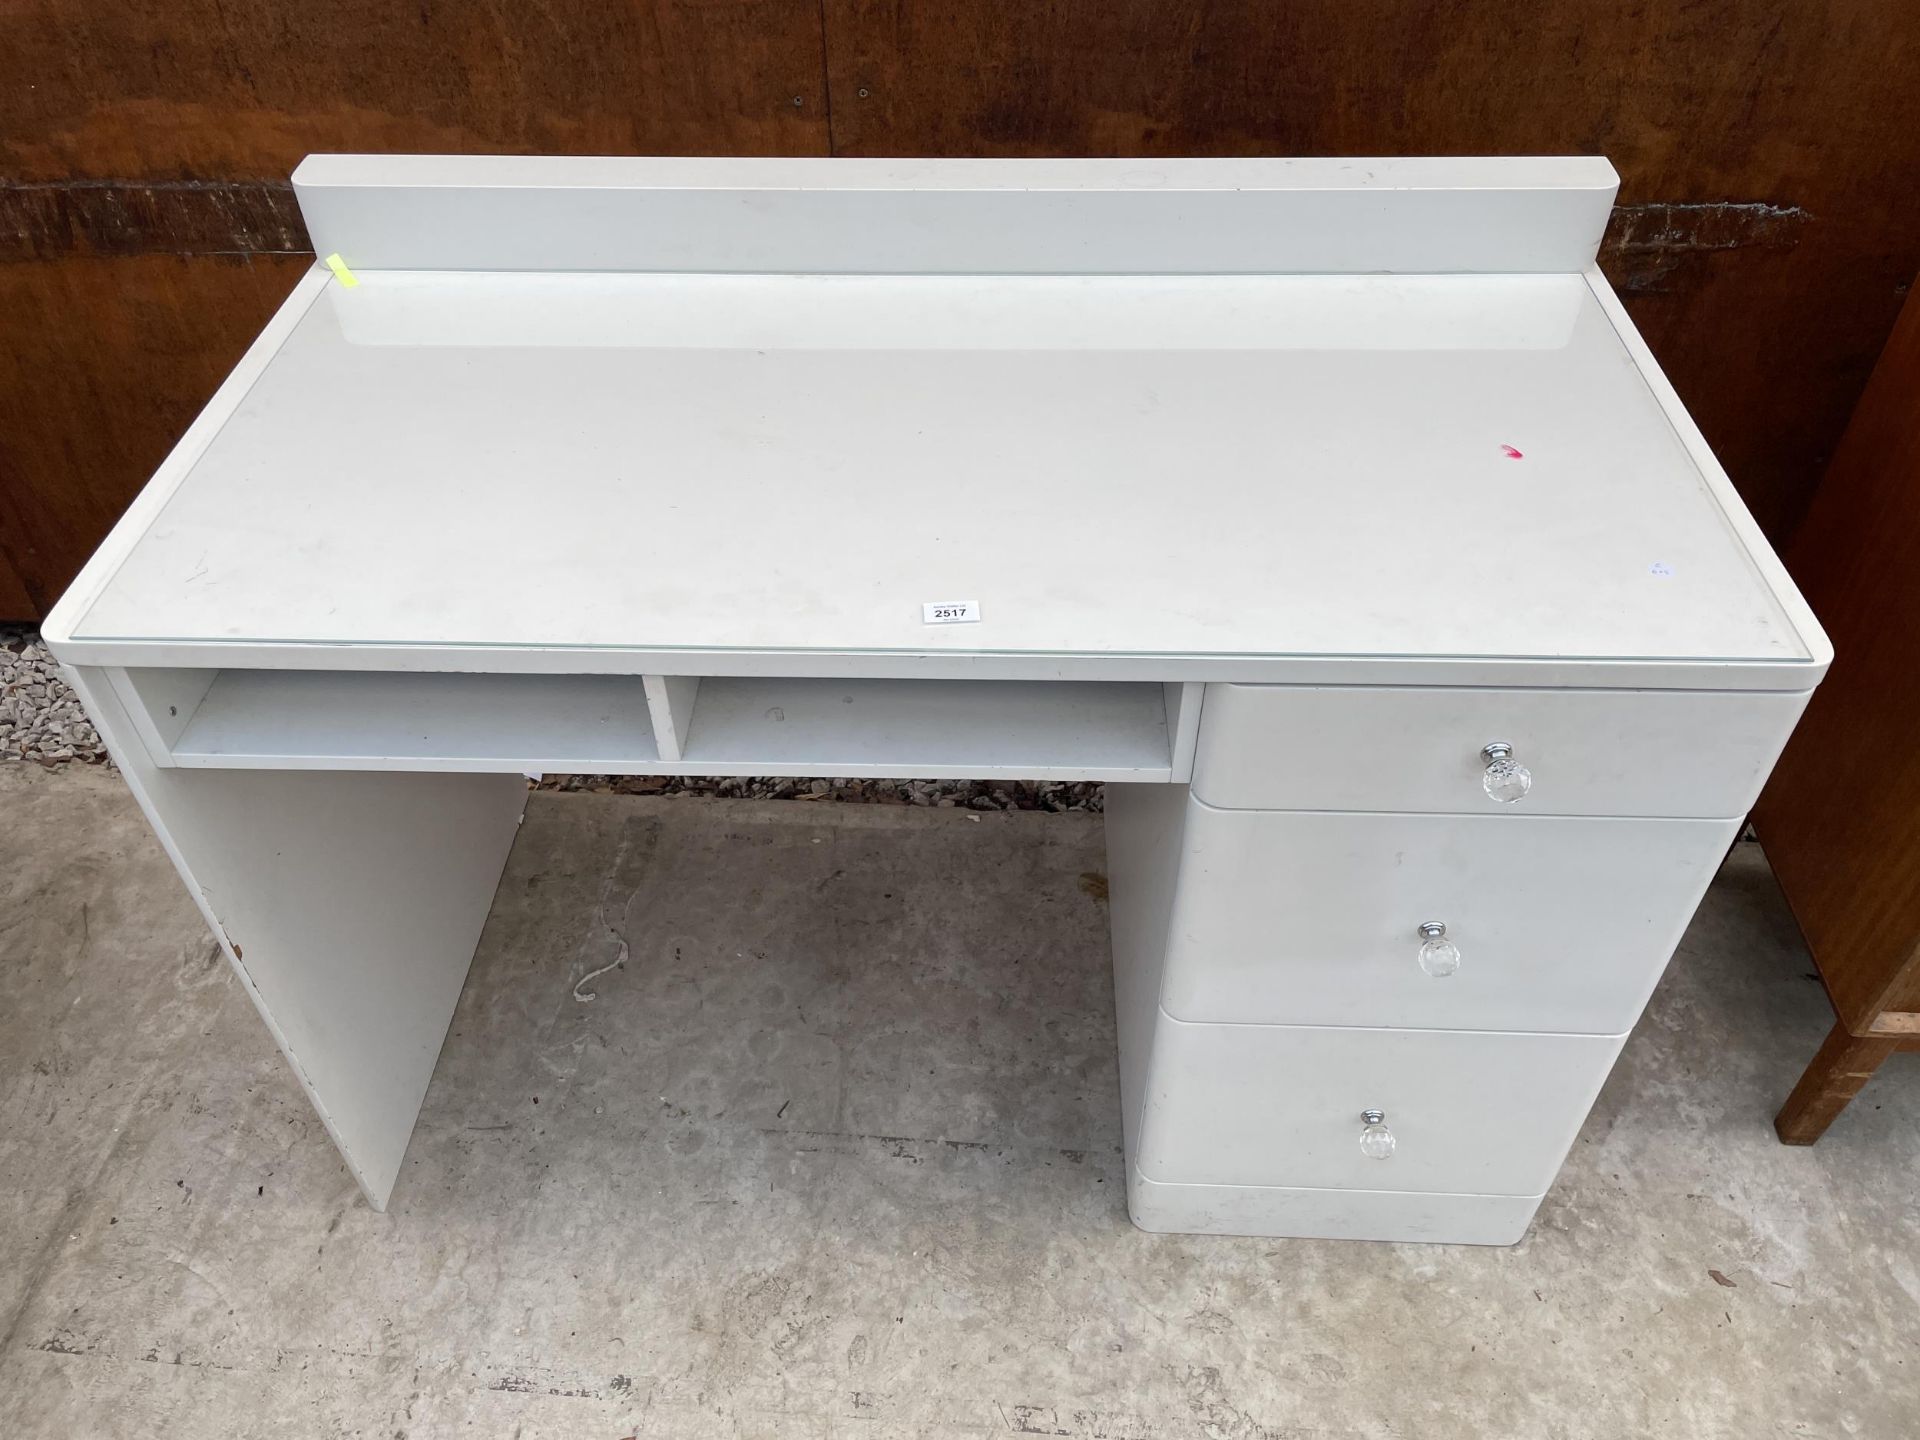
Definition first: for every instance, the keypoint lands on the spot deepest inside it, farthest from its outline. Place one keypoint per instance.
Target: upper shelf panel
(1264, 216)
(1174, 466)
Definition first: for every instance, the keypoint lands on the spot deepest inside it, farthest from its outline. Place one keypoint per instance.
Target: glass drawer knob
(1376, 1140)
(1439, 956)
(1507, 781)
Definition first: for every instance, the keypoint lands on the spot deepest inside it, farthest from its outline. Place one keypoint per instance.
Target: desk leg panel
(1146, 827)
(349, 903)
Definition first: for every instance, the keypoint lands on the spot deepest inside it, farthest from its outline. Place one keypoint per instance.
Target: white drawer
(1700, 753)
(1471, 1113)
(1561, 924)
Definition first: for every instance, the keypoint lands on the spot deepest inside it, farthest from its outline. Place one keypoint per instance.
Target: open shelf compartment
(338, 720)
(633, 724)
(930, 729)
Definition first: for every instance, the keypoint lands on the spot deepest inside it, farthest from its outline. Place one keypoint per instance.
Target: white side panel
(1328, 1214)
(349, 905)
(1183, 724)
(1689, 754)
(480, 212)
(1472, 1112)
(1562, 924)
(1143, 824)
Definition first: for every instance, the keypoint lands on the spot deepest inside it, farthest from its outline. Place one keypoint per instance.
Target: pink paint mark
(1511, 453)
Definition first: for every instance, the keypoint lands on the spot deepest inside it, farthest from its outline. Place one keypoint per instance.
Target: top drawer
(1685, 753)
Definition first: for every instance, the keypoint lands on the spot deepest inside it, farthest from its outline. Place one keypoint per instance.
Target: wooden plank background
(1770, 153)
(1841, 816)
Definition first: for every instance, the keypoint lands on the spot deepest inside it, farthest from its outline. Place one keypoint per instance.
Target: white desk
(1281, 488)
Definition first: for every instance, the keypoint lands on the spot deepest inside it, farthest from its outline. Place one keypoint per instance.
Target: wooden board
(104, 364)
(242, 89)
(1841, 817)
(15, 602)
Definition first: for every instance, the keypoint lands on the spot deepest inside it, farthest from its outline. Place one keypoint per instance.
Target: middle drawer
(1561, 924)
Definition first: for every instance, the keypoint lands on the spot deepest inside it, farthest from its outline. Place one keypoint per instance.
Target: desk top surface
(1169, 466)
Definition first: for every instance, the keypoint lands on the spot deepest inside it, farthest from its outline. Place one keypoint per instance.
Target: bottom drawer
(1469, 1112)
(1400, 1215)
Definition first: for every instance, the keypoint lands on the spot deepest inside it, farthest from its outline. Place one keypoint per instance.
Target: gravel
(39, 717)
(40, 720)
(940, 794)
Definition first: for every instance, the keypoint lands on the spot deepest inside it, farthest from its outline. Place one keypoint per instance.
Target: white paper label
(950, 612)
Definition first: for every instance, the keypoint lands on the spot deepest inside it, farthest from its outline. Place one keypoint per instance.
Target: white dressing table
(1332, 511)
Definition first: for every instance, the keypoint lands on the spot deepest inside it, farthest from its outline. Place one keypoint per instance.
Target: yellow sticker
(340, 271)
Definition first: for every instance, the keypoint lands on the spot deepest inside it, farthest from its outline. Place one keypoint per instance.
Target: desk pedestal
(348, 902)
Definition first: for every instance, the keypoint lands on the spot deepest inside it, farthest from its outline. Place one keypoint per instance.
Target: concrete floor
(837, 1154)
